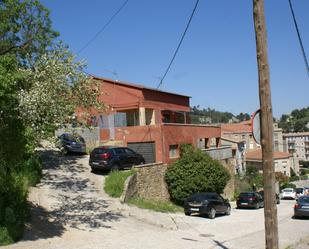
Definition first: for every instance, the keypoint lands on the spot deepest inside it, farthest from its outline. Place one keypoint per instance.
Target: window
(173, 151)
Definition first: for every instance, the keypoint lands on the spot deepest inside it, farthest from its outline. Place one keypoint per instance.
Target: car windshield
(100, 151)
(287, 190)
(246, 194)
(201, 196)
(75, 138)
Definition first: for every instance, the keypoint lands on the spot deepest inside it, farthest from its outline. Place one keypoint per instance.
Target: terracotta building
(152, 122)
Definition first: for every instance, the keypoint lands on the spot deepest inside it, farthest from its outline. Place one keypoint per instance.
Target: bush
(241, 185)
(287, 185)
(14, 186)
(194, 172)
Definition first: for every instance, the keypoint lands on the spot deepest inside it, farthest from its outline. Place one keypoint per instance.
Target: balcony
(220, 153)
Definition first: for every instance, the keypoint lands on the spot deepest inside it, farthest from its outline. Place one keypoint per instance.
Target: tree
(56, 87)
(41, 85)
(194, 172)
(25, 29)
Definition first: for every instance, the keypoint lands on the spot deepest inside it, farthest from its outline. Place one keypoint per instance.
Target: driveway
(69, 209)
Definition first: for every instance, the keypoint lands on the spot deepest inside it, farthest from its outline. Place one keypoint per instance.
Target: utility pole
(266, 120)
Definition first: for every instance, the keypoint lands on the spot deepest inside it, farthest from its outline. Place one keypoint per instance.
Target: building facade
(297, 143)
(150, 121)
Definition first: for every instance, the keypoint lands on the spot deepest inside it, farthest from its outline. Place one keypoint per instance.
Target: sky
(216, 63)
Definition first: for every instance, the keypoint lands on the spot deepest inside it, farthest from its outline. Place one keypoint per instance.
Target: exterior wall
(164, 136)
(177, 134)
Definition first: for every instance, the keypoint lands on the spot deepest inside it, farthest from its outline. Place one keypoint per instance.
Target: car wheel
(228, 210)
(212, 213)
(187, 213)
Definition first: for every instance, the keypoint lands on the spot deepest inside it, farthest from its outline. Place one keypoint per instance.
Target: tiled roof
(257, 155)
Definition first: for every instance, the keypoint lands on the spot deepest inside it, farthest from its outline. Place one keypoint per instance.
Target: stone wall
(230, 186)
(149, 183)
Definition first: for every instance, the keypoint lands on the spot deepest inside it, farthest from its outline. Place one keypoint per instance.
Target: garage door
(147, 149)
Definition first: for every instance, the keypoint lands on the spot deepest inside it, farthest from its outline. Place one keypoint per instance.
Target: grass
(158, 206)
(114, 182)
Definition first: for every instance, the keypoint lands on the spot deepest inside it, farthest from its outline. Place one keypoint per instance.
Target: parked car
(114, 158)
(250, 200)
(277, 196)
(301, 207)
(288, 193)
(67, 143)
(208, 203)
(299, 192)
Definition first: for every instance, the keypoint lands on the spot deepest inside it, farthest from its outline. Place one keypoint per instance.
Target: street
(70, 210)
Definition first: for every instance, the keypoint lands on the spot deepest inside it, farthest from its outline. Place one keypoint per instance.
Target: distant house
(283, 161)
(152, 122)
(240, 136)
(243, 131)
(297, 143)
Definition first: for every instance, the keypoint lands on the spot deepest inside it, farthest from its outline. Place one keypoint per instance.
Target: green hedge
(194, 172)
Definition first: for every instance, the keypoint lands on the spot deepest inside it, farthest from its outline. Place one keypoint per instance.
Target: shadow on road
(72, 199)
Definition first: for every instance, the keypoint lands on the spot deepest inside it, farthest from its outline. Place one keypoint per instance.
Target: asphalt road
(69, 209)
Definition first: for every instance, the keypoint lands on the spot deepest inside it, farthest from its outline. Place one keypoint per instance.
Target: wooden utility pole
(270, 208)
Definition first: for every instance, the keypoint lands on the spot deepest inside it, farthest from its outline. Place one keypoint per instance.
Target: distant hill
(212, 116)
(297, 121)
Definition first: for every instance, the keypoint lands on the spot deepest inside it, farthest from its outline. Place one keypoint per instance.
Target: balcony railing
(219, 153)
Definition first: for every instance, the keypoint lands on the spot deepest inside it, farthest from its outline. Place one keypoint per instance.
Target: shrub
(194, 172)
(13, 197)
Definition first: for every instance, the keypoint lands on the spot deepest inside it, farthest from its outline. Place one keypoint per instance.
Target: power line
(299, 38)
(176, 51)
(103, 28)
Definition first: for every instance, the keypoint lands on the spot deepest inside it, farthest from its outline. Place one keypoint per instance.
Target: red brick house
(150, 121)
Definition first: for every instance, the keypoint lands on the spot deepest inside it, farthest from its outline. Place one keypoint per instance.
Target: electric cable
(299, 38)
(179, 44)
(103, 28)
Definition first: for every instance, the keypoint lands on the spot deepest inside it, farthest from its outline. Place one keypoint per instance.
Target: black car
(207, 203)
(250, 200)
(71, 143)
(277, 196)
(114, 158)
(301, 207)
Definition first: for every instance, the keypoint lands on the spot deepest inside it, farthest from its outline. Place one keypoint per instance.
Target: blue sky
(216, 64)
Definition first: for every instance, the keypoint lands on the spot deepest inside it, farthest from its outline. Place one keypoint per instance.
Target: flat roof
(119, 82)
